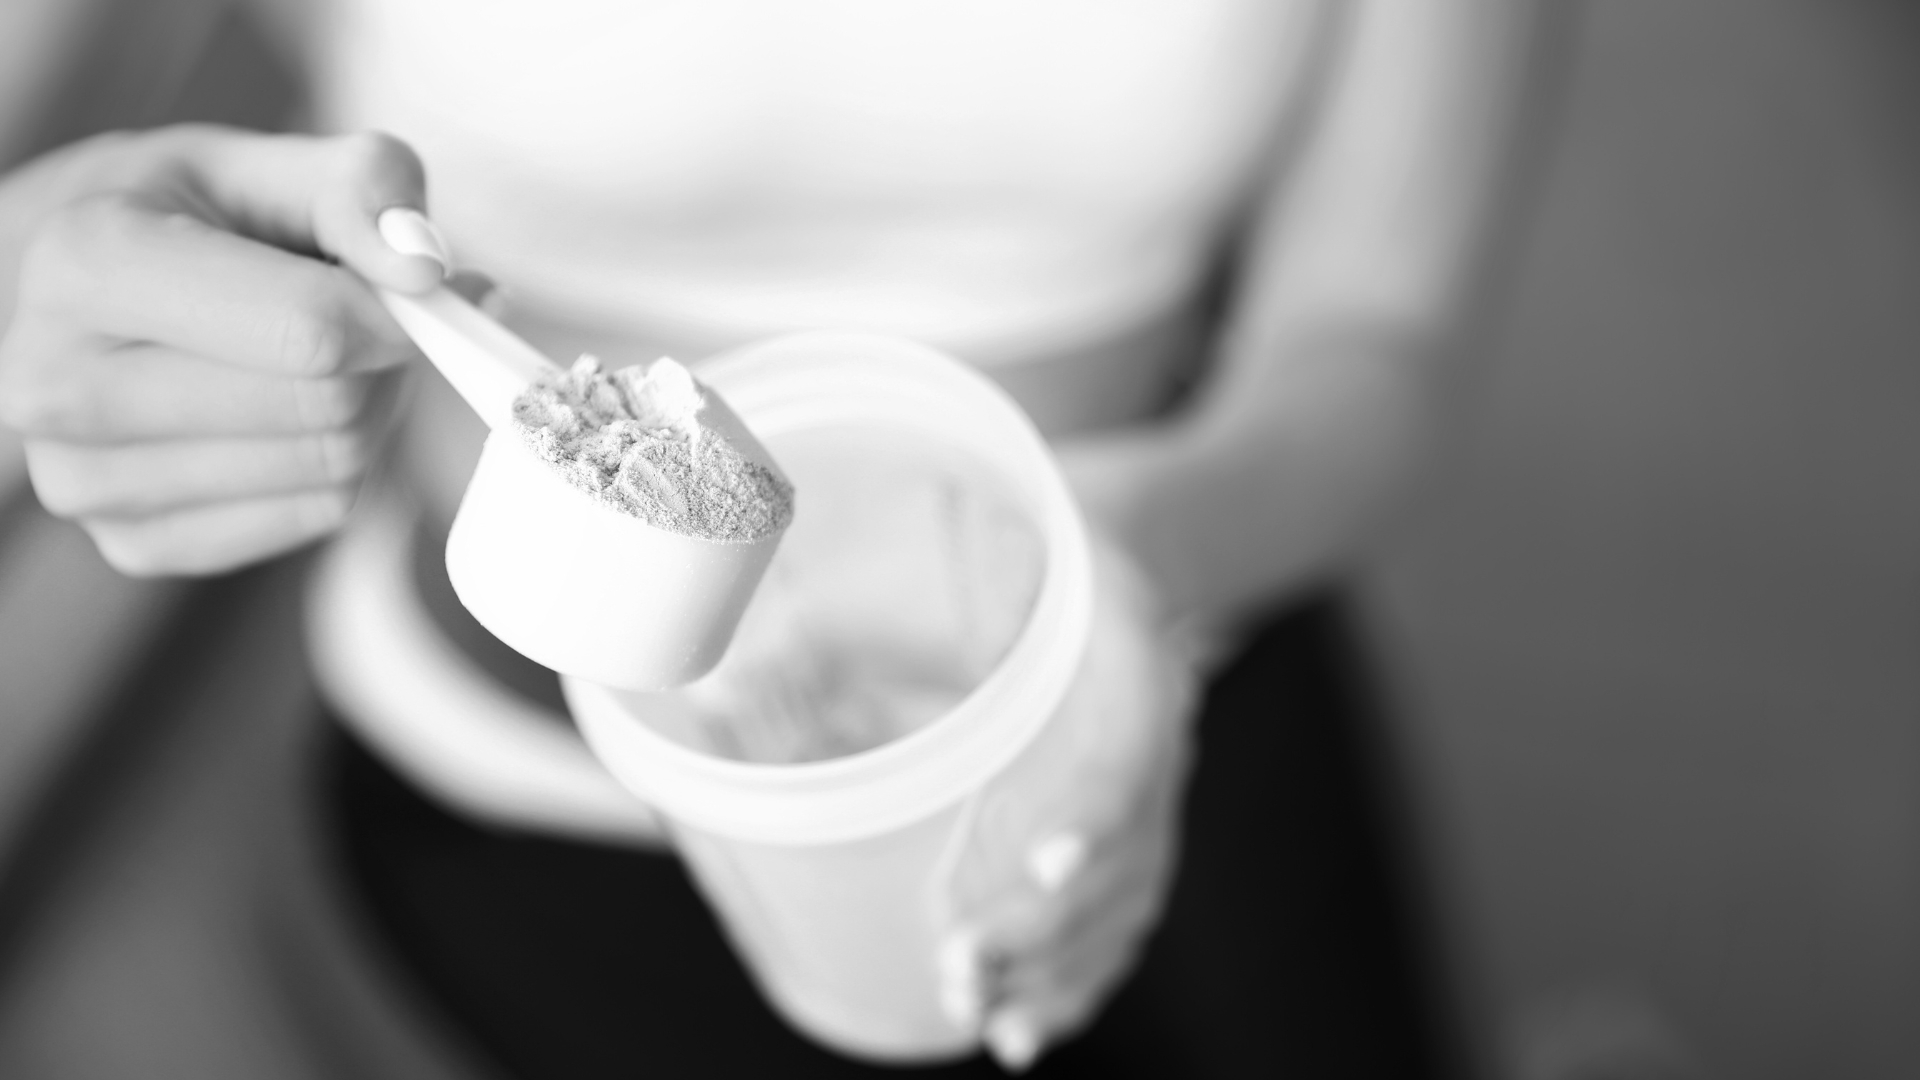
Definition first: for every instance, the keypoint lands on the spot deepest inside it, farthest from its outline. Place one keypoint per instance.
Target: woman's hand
(1071, 851)
(199, 370)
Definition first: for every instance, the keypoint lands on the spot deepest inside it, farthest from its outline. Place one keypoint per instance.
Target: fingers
(144, 392)
(1035, 968)
(211, 539)
(196, 386)
(1061, 924)
(131, 268)
(323, 194)
(1022, 1000)
(80, 481)
(1077, 953)
(1045, 980)
(1015, 1041)
(1069, 857)
(203, 505)
(204, 243)
(1037, 931)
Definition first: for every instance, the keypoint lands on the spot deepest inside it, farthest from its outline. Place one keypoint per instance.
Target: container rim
(816, 380)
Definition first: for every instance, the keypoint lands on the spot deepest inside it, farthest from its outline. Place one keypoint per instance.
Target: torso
(1038, 187)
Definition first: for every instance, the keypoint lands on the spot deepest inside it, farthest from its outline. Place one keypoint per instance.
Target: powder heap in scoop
(633, 440)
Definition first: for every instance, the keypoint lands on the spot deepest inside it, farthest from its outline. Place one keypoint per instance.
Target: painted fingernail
(1054, 859)
(408, 232)
(1012, 1041)
(958, 966)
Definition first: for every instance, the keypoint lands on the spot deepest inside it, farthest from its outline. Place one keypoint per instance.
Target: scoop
(577, 586)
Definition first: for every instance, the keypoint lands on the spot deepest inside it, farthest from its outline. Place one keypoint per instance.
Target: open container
(831, 876)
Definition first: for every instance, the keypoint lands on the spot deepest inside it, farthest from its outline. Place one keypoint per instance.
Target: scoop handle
(487, 363)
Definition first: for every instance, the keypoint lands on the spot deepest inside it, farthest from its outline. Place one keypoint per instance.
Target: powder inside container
(634, 440)
(906, 575)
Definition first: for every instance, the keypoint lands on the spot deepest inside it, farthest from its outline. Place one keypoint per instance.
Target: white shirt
(1002, 178)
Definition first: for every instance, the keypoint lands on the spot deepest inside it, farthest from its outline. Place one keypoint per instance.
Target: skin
(200, 378)
(1333, 372)
(201, 381)
(1332, 380)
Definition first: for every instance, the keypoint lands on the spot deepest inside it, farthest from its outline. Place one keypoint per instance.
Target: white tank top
(1003, 178)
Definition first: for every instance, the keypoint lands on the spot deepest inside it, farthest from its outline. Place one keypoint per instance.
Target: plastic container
(832, 876)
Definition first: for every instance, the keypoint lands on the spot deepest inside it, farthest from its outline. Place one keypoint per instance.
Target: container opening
(910, 568)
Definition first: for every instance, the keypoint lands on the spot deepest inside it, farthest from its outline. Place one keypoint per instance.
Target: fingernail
(958, 967)
(1012, 1041)
(408, 232)
(1054, 859)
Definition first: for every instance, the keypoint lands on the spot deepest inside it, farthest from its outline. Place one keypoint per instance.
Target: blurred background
(1654, 635)
(1659, 634)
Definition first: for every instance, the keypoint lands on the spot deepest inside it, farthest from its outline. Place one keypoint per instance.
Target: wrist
(1119, 480)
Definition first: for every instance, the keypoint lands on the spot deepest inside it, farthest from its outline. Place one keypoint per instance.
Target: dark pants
(1289, 947)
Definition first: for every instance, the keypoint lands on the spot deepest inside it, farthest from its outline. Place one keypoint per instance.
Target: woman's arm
(1329, 379)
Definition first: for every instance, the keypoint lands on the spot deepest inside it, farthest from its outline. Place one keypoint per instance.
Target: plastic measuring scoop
(566, 581)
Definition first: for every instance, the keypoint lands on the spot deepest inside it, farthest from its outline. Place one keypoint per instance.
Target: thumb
(327, 195)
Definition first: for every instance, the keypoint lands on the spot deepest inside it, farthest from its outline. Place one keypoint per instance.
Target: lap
(1287, 944)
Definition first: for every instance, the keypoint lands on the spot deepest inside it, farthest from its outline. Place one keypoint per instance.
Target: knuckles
(340, 457)
(321, 329)
(61, 265)
(39, 402)
(66, 273)
(311, 338)
(330, 404)
(40, 393)
(80, 261)
(376, 159)
(88, 483)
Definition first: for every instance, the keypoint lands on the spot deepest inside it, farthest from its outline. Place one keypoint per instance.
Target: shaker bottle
(832, 876)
